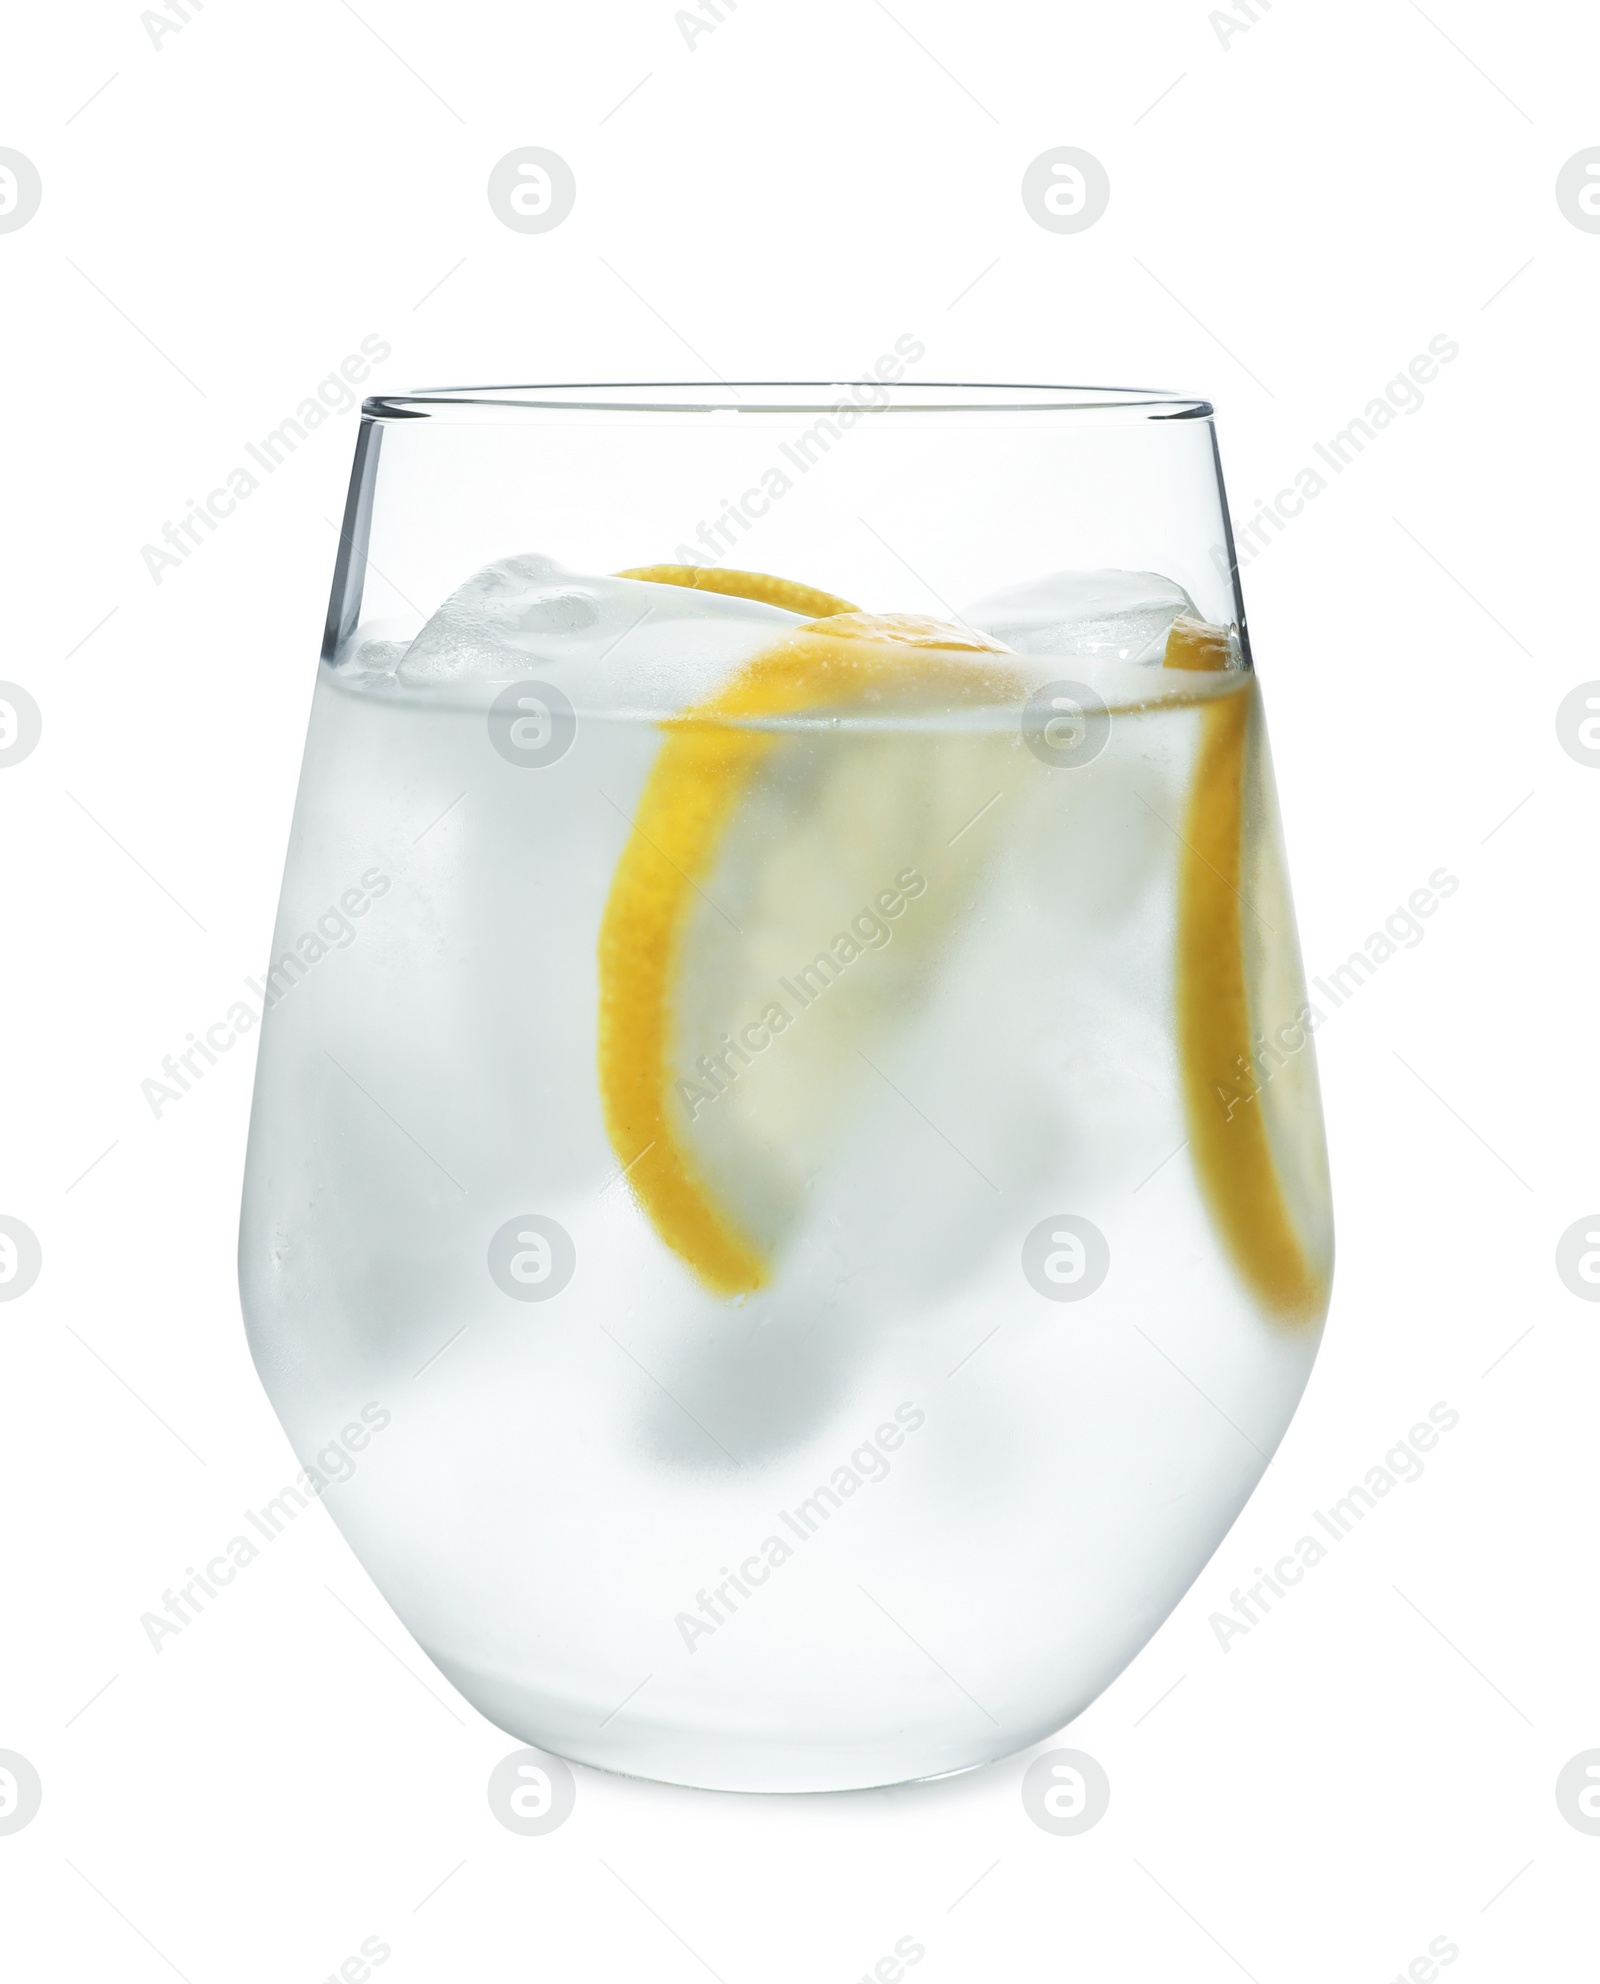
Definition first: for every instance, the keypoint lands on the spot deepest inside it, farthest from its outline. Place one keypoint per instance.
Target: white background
(1293, 215)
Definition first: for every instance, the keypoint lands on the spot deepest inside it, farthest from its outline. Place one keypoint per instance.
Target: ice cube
(367, 663)
(1106, 616)
(609, 642)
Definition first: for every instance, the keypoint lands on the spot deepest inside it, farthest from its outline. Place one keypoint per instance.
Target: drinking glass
(786, 1208)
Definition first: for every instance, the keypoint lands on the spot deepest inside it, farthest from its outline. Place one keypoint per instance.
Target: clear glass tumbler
(786, 1205)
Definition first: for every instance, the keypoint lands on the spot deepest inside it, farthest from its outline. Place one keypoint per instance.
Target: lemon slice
(744, 585)
(1249, 1080)
(774, 824)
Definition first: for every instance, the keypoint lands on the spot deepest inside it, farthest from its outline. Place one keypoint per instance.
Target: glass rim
(759, 397)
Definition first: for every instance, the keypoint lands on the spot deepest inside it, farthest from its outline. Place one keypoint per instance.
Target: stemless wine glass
(786, 1205)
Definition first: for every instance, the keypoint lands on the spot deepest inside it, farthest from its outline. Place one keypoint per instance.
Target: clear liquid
(896, 1513)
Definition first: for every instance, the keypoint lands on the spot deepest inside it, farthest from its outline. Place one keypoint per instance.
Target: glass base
(706, 1758)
